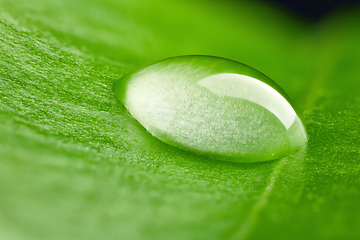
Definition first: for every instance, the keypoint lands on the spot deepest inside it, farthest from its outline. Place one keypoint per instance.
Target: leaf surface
(76, 165)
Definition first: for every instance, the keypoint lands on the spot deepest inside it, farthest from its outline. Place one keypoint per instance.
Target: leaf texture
(74, 164)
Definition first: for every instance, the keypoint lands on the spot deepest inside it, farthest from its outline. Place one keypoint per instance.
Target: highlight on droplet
(214, 107)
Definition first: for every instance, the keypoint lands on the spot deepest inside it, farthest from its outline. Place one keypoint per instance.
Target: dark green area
(75, 165)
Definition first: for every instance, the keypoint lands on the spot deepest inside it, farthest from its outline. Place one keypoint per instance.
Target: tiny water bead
(214, 107)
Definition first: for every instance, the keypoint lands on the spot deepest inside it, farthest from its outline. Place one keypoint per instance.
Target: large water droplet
(214, 107)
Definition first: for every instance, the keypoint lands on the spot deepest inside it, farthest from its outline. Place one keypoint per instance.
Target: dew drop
(214, 107)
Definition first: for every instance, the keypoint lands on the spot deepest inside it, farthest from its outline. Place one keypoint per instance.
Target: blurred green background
(74, 164)
(313, 10)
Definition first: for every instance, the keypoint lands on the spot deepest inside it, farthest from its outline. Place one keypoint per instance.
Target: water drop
(214, 107)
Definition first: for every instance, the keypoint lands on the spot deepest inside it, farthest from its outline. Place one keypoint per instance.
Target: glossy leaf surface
(73, 165)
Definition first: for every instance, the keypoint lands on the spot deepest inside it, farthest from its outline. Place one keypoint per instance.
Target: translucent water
(214, 107)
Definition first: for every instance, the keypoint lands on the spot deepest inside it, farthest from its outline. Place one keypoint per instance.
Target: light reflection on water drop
(214, 107)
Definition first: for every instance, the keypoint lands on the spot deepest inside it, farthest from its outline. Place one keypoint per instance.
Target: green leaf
(74, 164)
